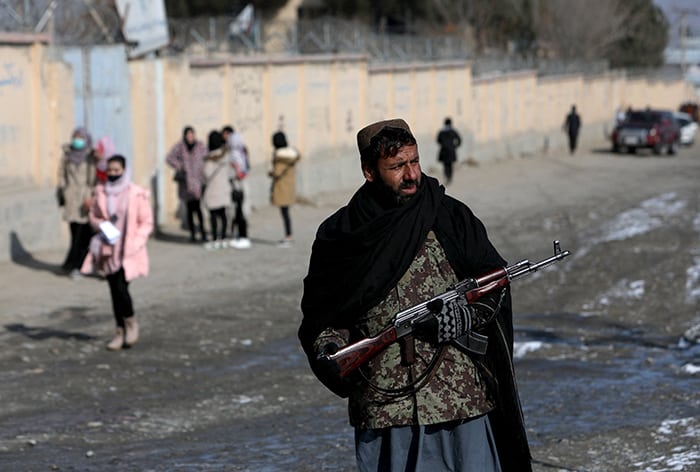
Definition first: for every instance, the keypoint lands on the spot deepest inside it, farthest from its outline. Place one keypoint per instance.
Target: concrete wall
(36, 117)
(36, 109)
(319, 102)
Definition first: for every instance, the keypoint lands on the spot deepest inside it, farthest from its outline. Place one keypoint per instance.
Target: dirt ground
(218, 381)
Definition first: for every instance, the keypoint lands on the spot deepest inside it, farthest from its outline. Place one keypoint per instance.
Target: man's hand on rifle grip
(445, 322)
(328, 371)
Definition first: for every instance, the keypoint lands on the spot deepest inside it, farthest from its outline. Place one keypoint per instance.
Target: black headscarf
(189, 145)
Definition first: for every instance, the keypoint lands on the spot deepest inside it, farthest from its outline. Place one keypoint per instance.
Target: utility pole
(684, 17)
(683, 32)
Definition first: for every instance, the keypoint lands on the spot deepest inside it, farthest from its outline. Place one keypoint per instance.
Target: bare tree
(584, 29)
(482, 22)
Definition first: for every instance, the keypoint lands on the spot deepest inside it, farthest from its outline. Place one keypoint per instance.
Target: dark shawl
(362, 251)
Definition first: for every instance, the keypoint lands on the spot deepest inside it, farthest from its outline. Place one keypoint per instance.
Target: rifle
(352, 356)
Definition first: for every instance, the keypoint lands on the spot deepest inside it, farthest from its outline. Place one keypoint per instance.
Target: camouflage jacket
(455, 390)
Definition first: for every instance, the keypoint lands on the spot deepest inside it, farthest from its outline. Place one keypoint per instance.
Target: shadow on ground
(20, 256)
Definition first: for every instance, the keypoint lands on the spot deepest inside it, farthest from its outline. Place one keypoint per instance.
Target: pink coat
(139, 225)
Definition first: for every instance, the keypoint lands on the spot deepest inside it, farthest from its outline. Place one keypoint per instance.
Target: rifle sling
(414, 386)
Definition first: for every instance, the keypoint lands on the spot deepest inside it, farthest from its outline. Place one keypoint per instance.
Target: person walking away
(449, 140)
(217, 189)
(572, 126)
(240, 165)
(283, 192)
(187, 158)
(426, 403)
(76, 182)
(122, 216)
(104, 149)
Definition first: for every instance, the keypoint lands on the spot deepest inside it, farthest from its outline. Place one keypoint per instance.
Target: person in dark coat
(449, 140)
(572, 126)
(425, 403)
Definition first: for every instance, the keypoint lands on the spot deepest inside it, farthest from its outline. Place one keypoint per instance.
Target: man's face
(400, 173)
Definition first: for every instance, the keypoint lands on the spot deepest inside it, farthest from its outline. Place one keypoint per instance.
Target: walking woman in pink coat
(122, 216)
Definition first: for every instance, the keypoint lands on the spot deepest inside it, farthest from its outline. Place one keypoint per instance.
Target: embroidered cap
(365, 135)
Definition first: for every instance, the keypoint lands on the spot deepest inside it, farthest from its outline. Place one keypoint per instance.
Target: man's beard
(396, 196)
(402, 199)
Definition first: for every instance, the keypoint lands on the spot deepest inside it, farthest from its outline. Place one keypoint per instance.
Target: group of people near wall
(213, 176)
(110, 218)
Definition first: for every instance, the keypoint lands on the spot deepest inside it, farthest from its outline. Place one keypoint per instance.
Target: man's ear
(368, 173)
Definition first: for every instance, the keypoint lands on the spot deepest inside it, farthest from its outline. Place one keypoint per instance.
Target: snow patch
(678, 461)
(647, 217)
(522, 348)
(244, 399)
(625, 289)
(692, 281)
(691, 369)
(681, 458)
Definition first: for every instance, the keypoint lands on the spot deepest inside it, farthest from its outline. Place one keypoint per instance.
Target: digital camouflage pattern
(455, 391)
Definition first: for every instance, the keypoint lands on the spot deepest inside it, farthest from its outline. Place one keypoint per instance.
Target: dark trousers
(287, 221)
(80, 234)
(121, 300)
(193, 208)
(573, 138)
(239, 220)
(447, 166)
(215, 216)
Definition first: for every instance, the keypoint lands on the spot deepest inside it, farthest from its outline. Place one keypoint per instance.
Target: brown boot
(132, 330)
(118, 341)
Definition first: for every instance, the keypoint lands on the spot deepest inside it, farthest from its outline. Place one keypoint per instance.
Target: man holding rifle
(429, 401)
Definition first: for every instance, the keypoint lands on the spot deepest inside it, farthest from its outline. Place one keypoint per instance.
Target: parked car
(653, 129)
(689, 128)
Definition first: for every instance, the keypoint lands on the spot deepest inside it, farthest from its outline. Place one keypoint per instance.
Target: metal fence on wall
(96, 22)
(333, 36)
(69, 22)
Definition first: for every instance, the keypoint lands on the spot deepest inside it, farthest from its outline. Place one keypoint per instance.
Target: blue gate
(102, 93)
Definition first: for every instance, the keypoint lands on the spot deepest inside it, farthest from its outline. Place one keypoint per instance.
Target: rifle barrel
(538, 265)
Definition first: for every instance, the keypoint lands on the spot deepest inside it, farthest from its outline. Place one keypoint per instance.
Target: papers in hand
(109, 232)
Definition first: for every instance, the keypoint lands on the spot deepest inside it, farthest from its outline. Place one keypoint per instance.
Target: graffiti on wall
(10, 77)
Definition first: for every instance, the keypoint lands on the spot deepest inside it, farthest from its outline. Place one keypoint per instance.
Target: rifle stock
(352, 356)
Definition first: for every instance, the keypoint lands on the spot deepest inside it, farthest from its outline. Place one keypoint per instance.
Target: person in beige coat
(217, 189)
(76, 182)
(283, 193)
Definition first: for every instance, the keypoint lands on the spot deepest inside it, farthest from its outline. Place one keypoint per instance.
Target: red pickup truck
(653, 129)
